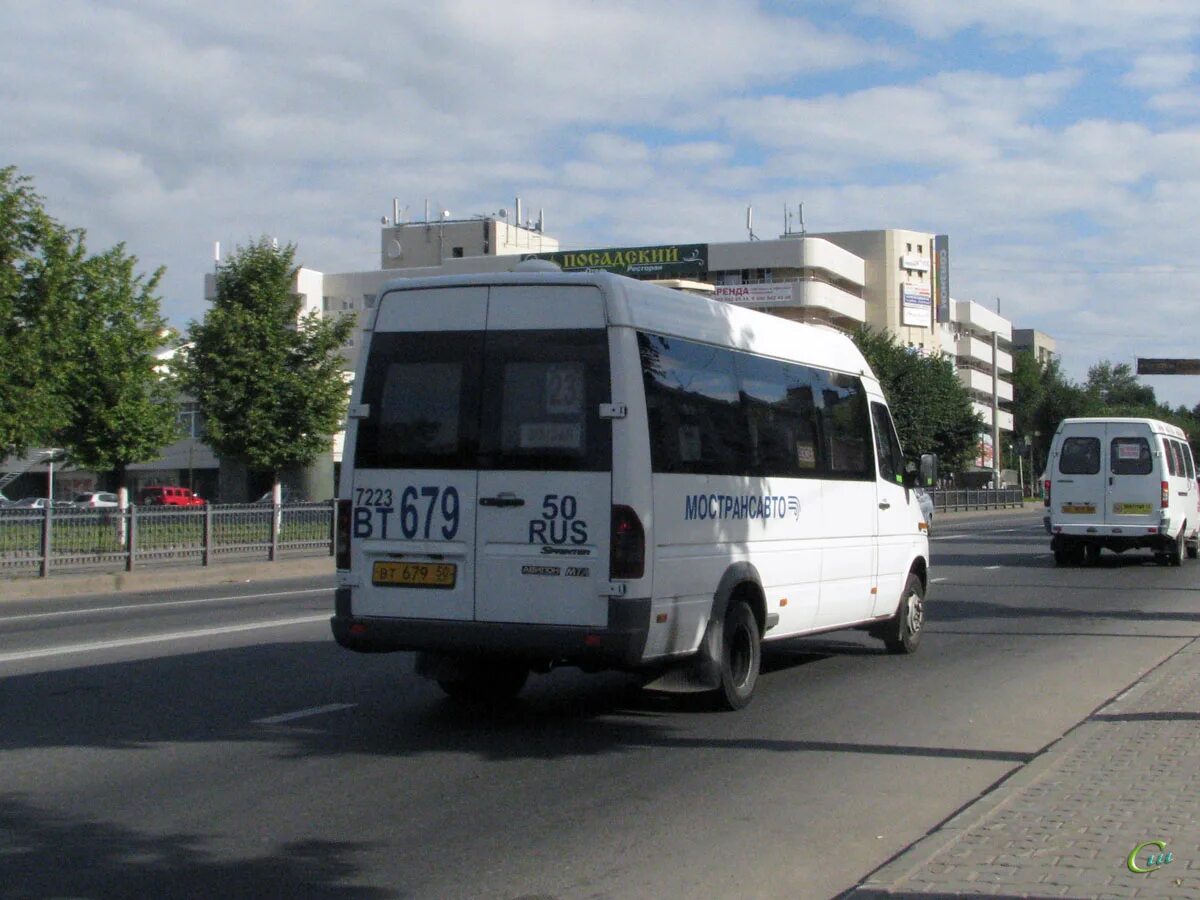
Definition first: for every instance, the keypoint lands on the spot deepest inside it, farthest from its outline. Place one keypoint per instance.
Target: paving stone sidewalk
(1065, 825)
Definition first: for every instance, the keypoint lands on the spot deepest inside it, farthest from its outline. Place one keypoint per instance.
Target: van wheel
(741, 656)
(903, 632)
(1062, 558)
(485, 682)
(1092, 552)
(1193, 550)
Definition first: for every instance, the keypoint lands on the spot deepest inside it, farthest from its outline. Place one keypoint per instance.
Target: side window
(846, 427)
(887, 445)
(1172, 457)
(694, 407)
(1131, 456)
(1080, 456)
(1180, 465)
(1187, 460)
(781, 416)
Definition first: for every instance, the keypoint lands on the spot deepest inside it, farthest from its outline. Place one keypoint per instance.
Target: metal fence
(952, 500)
(41, 541)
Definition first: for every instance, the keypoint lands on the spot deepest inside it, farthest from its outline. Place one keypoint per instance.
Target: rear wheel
(1093, 554)
(903, 632)
(1176, 553)
(741, 656)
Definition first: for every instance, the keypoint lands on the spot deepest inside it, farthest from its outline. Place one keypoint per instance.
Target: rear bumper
(617, 645)
(1110, 541)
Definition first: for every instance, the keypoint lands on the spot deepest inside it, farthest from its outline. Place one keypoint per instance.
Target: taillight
(1046, 492)
(627, 546)
(1166, 494)
(342, 536)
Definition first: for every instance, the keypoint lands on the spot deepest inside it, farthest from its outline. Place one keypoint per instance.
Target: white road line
(951, 537)
(68, 649)
(303, 713)
(96, 609)
(936, 580)
(989, 568)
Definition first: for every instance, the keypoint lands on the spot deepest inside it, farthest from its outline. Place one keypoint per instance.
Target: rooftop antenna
(395, 210)
(750, 222)
(800, 207)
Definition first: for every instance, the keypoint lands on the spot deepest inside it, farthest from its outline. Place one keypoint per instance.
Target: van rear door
(545, 458)
(1078, 489)
(1133, 494)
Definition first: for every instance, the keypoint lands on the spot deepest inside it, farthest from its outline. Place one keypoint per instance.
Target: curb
(162, 578)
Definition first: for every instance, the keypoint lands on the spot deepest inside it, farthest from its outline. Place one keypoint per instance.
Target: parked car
(168, 495)
(926, 504)
(95, 499)
(42, 503)
(287, 495)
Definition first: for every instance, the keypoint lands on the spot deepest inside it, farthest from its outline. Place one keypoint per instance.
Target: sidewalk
(1065, 824)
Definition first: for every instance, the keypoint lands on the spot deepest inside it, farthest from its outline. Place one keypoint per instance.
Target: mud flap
(698, 673)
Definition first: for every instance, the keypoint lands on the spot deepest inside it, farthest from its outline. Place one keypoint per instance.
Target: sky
(1057, 142)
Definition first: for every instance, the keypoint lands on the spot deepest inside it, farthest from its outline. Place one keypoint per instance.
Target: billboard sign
(754, 294)
(665, 261)
(916, 305)
(941, 276)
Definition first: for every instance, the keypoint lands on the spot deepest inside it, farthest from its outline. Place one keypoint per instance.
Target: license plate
(1131, 509)
(1085, 508)
(406, 574)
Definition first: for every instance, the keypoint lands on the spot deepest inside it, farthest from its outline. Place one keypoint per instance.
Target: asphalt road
(215, 742)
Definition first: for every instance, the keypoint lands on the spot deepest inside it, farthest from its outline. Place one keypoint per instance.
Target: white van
(1123, 484)
(544, 469)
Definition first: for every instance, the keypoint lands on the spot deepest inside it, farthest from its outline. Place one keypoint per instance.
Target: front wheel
(902, 634)
(741, 657)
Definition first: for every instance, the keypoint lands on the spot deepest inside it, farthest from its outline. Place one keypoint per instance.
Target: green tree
(268, 380)
(40, 264)
(122, 407)
(931, 408)
(1113, 386)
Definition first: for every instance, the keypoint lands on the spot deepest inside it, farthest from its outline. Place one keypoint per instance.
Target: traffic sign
(1147, 366)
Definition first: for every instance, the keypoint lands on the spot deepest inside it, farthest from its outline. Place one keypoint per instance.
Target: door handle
(883, 504)
(502, 500)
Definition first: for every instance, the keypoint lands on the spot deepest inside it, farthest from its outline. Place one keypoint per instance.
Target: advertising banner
(667, 261)
(941, 276)
(754, 294)
(916, 305)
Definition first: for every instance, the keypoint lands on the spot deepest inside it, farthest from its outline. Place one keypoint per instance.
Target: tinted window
(1131, 456)
(846, 428)
(1079, 456)
(694, 408)
(887, 445)
(542, 396)
(1187, 459)
(717, 411)
(423, 391)
(780, 403)
(510, 400)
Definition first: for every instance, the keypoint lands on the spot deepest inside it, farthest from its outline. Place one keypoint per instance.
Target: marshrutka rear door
(1134, 494)
(1079, 484)
(545, 474)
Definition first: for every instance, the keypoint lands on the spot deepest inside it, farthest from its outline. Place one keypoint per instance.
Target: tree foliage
(122, 407)
(931, 408)
(268, 380)
(77, 340)
(39, 284)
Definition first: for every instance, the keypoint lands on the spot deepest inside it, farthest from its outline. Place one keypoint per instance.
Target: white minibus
(546, 469)
(1122, 484)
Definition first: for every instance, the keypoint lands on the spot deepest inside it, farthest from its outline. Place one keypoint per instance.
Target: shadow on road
(52, 855)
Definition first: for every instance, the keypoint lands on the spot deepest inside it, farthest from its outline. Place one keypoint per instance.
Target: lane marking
(989, 568)
(68, 649)
(304, 713)
(937, 580)
(951, 537)
(134, 606)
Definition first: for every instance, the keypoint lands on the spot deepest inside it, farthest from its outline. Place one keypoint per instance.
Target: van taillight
(1166, 494)
(1046, 492)
(342, 535)
(627, 546)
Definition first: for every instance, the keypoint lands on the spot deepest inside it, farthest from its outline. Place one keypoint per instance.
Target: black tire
(486, 682)
(1193, 550)
(902, 634)
(1092, 553)
(740, 659)
(1062, 558)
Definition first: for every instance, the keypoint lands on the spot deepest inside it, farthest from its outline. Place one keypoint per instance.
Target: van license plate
(401, 574)
(1085, 508)
(1131, 509)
